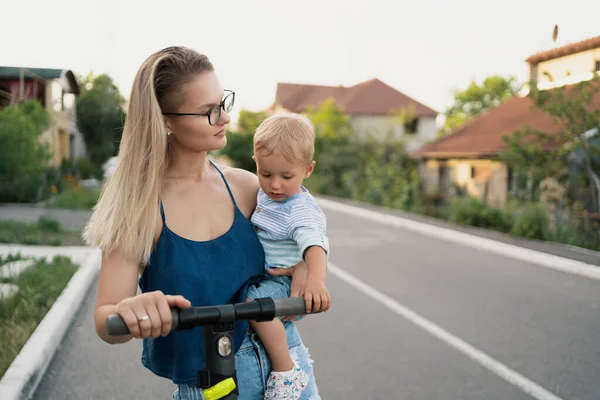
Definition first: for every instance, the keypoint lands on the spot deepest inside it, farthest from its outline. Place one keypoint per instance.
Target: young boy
(291, 228)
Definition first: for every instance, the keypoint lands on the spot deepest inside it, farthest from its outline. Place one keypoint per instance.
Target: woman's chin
(215, 144)
(221, 142)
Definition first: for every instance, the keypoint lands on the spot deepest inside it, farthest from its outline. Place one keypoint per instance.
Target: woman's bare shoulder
(239, 176)
(244, 185)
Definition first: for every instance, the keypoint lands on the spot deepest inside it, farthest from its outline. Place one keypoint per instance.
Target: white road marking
(493, 365)
(465, 239)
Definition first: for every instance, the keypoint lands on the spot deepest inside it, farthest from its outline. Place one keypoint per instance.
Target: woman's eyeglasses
(214, 114)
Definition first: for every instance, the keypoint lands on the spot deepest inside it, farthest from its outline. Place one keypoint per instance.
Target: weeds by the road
(20, 314)
(75, 198)
(46, 231)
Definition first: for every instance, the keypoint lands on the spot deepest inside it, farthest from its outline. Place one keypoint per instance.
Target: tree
(334, 150)
(384, 174)
(23, 157)
(330, 120)
(571, 108)
(527, 155)
(477, 98)
(543, 154)
(239, 147)
(248, 121)
(100, 117)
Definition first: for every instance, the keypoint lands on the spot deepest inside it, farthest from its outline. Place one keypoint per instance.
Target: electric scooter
(217, 379)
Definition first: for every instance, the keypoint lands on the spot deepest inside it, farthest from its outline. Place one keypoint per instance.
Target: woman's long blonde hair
(125, 215)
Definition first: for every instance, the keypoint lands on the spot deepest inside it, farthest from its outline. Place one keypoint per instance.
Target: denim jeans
(253, 368)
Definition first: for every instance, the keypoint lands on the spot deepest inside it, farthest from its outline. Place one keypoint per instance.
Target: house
(55, 89)
(565, 65)
(467, 157)
(371, 105)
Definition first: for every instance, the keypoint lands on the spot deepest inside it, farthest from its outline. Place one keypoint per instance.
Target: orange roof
(372, 97)
(482, 136)
(572, 48)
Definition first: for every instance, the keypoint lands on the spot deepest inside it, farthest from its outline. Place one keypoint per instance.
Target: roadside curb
(27, 370)
(539, 258)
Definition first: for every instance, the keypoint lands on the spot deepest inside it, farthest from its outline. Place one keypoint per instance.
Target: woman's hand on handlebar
(149, 314)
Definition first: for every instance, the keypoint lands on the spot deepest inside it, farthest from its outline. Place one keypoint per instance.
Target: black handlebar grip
(289, 307)
(116, 326)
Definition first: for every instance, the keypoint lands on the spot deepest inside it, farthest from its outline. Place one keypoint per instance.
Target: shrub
(531, 223)
(23, 157)
(470, 211)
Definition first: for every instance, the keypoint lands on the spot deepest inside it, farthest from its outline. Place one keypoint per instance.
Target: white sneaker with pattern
(286, 385)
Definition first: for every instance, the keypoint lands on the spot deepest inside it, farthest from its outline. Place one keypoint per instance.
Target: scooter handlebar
(258, 310)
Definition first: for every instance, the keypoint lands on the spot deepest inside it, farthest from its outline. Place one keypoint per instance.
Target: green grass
(75, 199)
(39, 287)
(46, 231)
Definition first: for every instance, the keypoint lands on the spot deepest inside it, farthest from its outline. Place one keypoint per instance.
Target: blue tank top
(212, 272)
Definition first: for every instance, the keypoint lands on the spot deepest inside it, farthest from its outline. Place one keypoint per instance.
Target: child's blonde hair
(292, 135)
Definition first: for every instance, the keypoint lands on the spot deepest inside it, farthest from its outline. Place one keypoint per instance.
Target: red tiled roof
(572, 48)
(482, 136)
(372, 97)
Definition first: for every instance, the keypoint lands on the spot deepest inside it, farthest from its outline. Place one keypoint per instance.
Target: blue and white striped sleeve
(307, 226)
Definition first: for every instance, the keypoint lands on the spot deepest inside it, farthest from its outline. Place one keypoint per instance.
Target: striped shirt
(287, 228)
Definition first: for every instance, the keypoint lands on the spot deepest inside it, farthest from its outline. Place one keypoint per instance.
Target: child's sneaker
(286, 385)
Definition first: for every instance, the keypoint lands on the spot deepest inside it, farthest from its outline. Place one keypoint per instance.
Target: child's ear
(309, 169)
(254, 158)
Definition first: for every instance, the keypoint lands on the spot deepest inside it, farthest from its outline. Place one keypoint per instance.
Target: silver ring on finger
(144, 318)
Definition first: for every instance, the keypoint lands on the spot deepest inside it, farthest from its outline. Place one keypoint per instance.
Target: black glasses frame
(220, 106)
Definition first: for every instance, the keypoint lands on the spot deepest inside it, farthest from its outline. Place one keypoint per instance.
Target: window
(481, 174)
(597, 68)
(444, 179)
(72, 146)
(411, 126)
(510, 181)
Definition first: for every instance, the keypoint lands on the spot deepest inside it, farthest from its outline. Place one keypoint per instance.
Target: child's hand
(299, 274)
(316, 295)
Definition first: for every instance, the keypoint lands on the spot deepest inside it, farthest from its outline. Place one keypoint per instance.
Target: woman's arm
(118, 281)
(146, 315)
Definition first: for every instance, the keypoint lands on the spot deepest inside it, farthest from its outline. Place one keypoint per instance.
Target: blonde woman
(178, 225)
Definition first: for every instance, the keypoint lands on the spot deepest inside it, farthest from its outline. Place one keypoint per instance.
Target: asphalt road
(539, 324)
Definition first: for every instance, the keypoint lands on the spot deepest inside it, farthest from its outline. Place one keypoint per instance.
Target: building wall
(567, 70)
(486, 180)
(63, 138)
(381, 127)
(429, 171)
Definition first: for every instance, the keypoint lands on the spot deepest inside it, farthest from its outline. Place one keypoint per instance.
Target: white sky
(423, 48)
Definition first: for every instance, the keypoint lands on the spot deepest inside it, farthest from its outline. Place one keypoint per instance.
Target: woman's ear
(167, 123)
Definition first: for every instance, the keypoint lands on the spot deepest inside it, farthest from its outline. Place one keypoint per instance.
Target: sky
(424, 48)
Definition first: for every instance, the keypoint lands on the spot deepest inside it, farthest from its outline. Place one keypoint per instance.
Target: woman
(171, 215)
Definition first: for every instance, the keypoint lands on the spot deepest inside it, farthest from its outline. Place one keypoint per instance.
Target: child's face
(278, 177)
